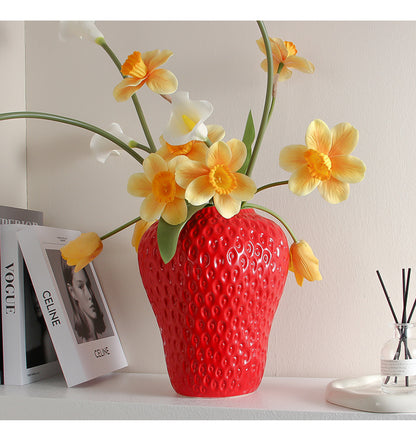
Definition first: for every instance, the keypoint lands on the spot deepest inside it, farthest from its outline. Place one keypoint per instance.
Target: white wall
(364, 75)
(13, 133)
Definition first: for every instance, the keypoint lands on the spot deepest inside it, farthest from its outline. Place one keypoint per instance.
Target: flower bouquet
(213, 269)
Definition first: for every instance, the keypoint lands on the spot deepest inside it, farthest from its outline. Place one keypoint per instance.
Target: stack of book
(52, 319)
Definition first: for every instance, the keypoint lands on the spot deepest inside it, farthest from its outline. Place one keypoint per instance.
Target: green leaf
(248, 139)
(168, 235)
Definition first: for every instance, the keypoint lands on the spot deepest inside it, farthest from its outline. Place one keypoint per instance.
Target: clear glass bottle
(398, 360)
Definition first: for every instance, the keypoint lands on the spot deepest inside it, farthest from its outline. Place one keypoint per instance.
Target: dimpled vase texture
(215, 300)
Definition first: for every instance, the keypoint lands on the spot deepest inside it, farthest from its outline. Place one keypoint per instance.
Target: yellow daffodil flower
(139, 230)
(284, 52)
(186, 122)
(140, 69)
(217, 177)
(82, 250)
(163, 197)
(303, 263)
(324, 162)
(195, 149)
(79, 29)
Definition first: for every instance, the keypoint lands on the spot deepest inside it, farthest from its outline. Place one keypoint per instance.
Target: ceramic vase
(215, 301)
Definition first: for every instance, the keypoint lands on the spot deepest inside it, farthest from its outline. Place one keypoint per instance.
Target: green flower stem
(119, 229)
(143, 123)
(134, 144)
(134, 98)
(76, 123)
(274, 90)
(268, 186)
(208, 142)
(277, 217)
(110, 53)
(268, 100)
(271, 109)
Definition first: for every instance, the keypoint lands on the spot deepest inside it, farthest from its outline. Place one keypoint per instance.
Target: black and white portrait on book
(81, 299)
(73, 306)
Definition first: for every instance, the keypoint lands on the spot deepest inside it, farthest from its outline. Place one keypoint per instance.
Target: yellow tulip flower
(140, 229)
(82, 250)
(325, 162)
(303, 263)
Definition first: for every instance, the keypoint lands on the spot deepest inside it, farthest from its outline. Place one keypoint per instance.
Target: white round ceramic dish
(364, 393)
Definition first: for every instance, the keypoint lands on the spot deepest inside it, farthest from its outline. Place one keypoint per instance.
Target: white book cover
(28, 353)
(73, 305)
(12, 215)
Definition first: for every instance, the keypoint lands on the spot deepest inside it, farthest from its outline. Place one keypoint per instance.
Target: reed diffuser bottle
(398, 360)
(398, 355)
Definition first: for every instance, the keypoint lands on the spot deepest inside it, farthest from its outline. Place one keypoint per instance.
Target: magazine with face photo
(83, 303)
(73, 305)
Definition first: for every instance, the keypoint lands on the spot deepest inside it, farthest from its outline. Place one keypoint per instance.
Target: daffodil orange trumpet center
(164, 187)
(319, 164)
(134, 66)
(222, 179)
(291, 48)
(181, 149)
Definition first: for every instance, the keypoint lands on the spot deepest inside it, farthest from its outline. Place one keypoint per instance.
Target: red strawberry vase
(215, 300)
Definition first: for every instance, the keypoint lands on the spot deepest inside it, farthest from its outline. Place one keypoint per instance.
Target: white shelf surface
(150, 396)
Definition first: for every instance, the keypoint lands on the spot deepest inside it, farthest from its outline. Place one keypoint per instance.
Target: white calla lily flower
(186, 122)
(79, 29)
(102, 148)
